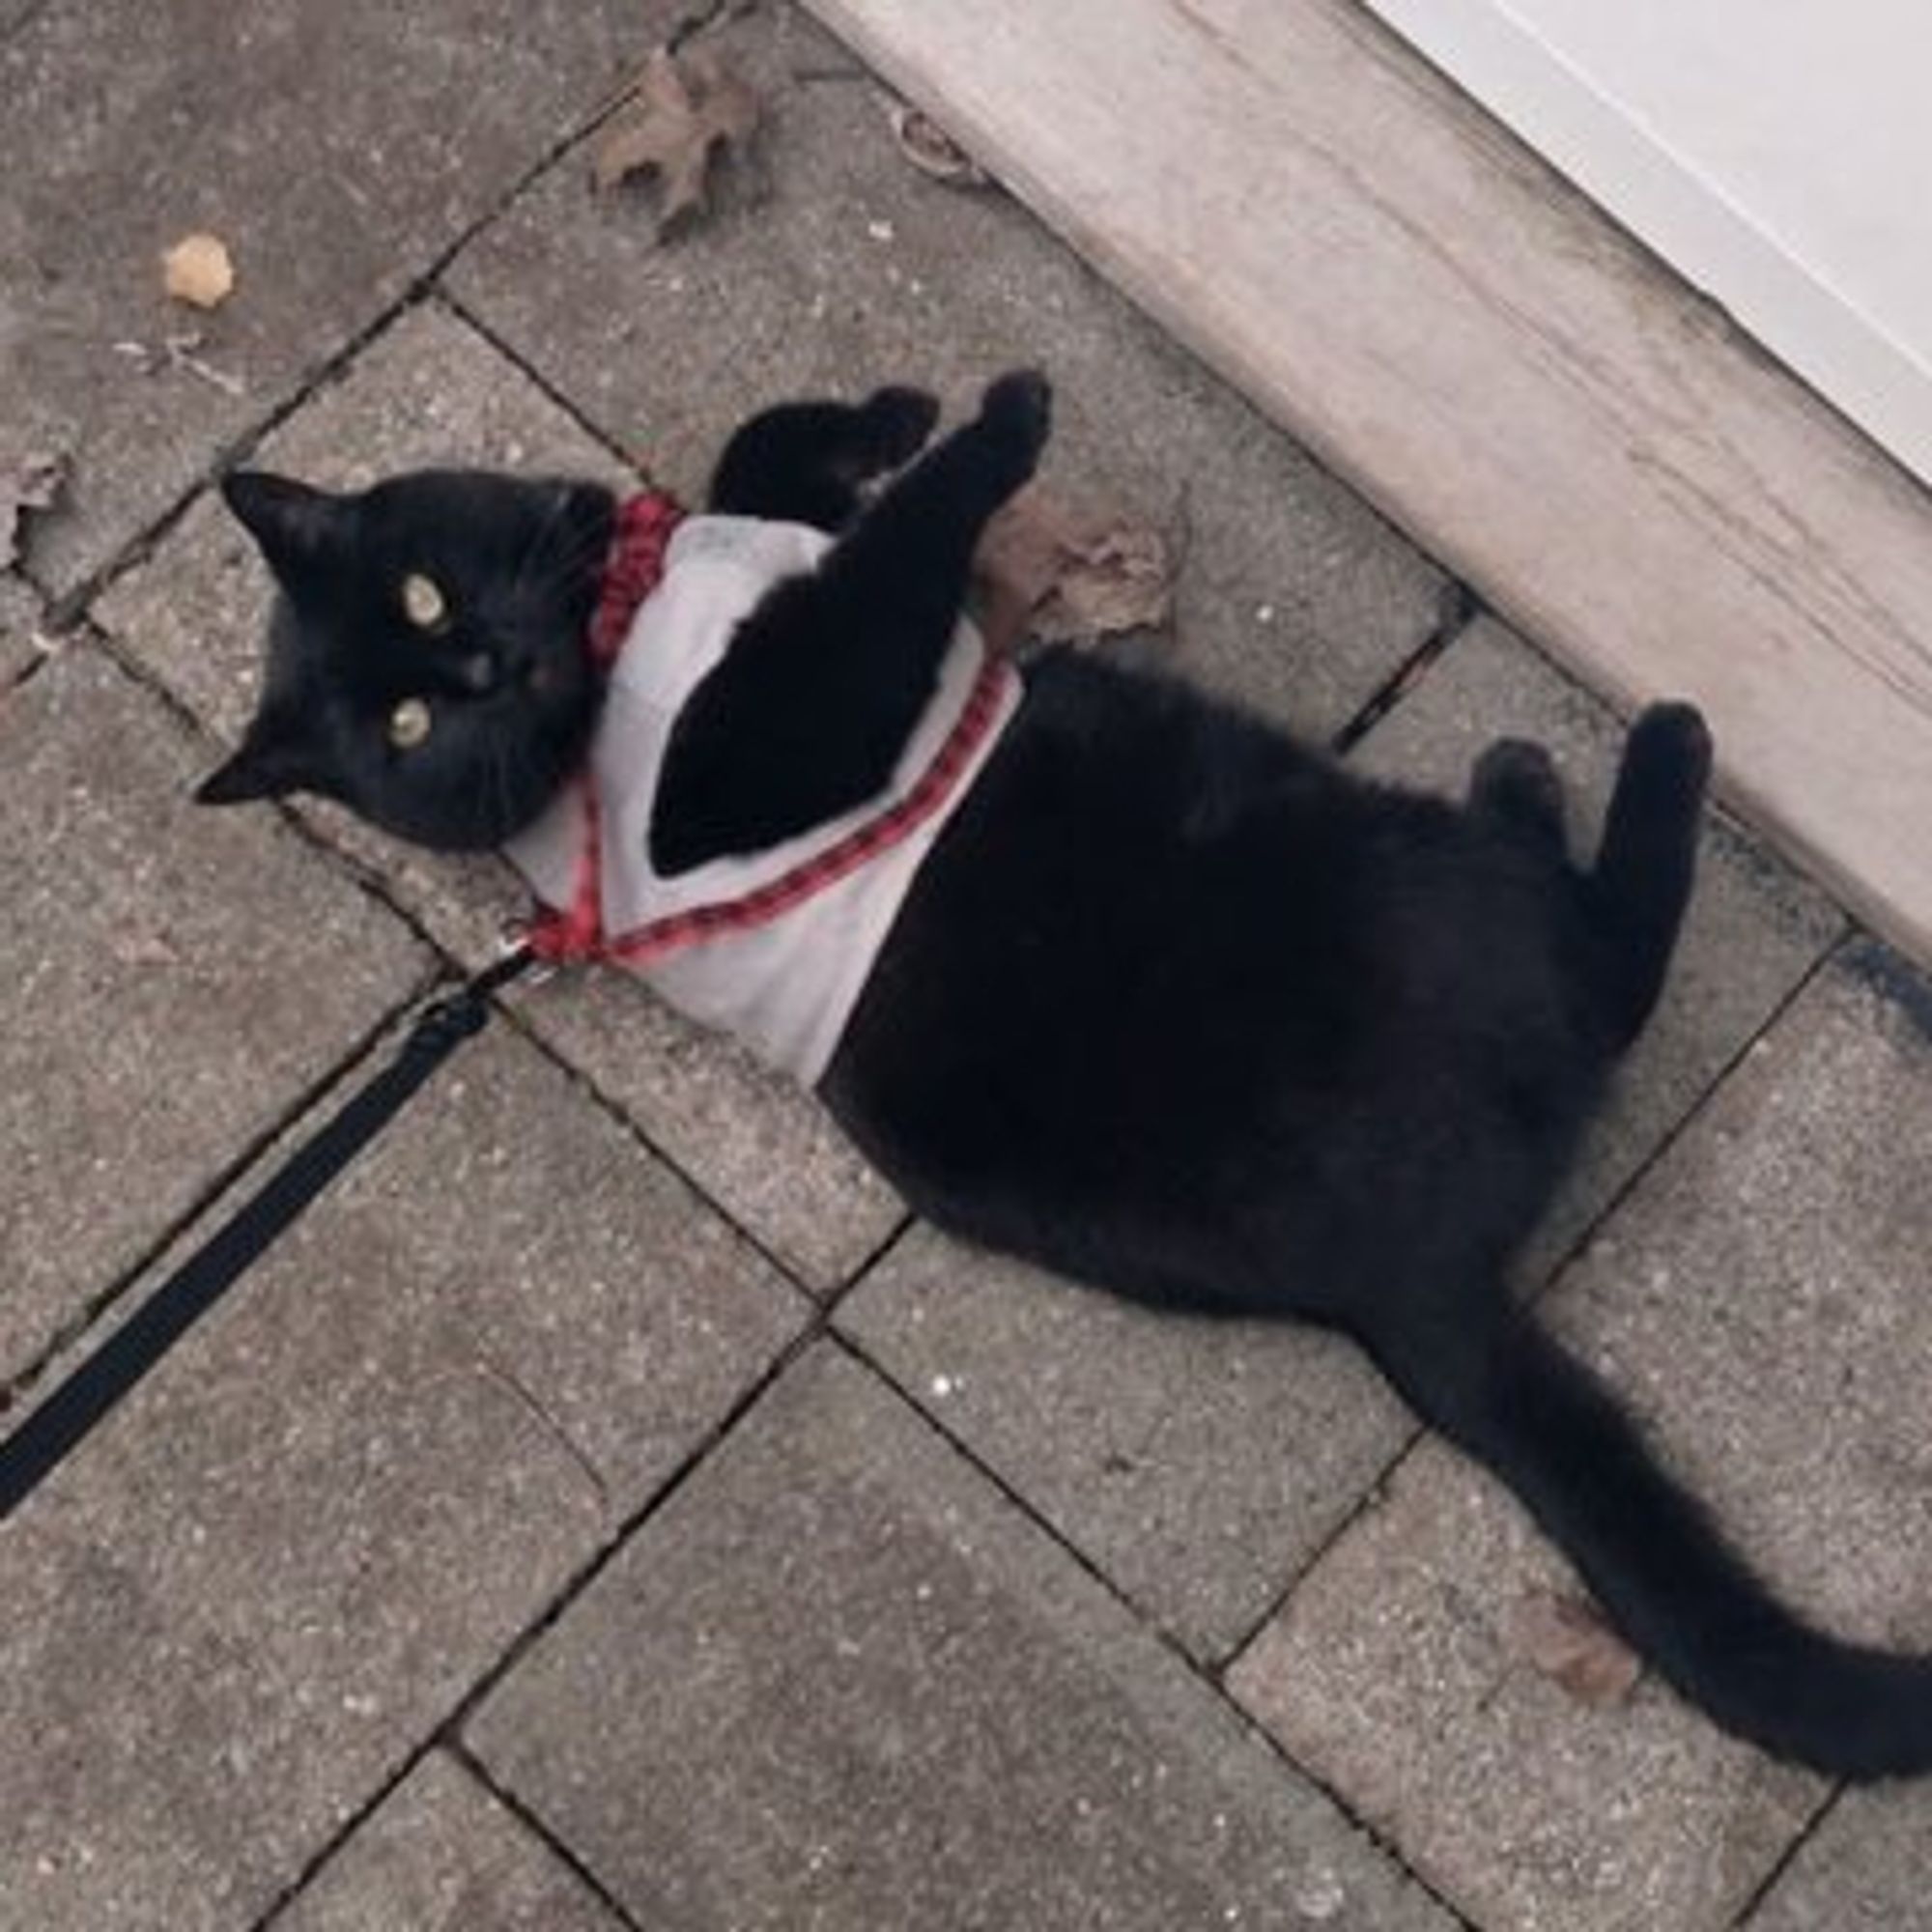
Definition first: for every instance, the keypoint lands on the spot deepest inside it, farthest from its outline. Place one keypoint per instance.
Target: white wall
(1778, 152)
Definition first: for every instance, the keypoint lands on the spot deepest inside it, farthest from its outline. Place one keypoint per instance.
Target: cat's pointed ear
(290, 521)
(275, 759)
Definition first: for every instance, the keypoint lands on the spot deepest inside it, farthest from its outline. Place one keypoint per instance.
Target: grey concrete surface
(1198, 1464)
(338, 1503)
(1763, 1298)
(1864, 1870)
(1759, 1300)
(838, 1675)
(432, 390)
(19, 620)
(337, 150)
(1756, 928)
(441, 1855)
(163, 1013)
(1398, 1675)
(835, 1682)
(835, 265)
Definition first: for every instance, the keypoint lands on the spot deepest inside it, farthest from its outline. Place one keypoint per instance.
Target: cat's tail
(1519, 1403)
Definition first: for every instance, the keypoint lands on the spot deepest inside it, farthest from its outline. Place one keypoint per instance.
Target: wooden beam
(1334, 227)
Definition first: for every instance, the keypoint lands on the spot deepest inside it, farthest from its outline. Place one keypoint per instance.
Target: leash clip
(513, 936)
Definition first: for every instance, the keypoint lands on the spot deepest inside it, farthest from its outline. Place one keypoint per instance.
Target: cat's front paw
(895, 424)
(1018, 408)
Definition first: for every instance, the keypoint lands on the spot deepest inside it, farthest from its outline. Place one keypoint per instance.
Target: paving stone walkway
(605, 1511)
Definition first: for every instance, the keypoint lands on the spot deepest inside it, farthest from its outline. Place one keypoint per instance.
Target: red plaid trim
(659, 937)
(575, 934)
(632, 569)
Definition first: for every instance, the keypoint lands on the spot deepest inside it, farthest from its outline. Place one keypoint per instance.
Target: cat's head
(427, 662)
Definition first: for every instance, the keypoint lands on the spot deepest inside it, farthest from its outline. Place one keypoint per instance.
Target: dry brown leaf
(199, 270)
(35, 483)
(685, 112)
(1077, 573)
(144, 949)
(1568, 1641)
(932, 150)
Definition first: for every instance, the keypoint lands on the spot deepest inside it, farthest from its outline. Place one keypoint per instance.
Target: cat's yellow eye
(408, 723)
(423, 601)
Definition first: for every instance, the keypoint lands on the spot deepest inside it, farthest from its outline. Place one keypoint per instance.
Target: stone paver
(1754, 930)
(19, 619)
(337, 150)
(835, 265)
(1396, 1674)
(336, 1504)
(835, 1682)
(1863, 1871)
(176, 979)
(1763, 1297)
(431, 389)
(1759, 1297)
(1198, 1464)
(441, 1855)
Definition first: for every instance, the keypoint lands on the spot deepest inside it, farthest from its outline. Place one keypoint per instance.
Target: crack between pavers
(539, 1828)
(1460, 607)
(1786, 1859)
(901, 1232)
(586, 1083)
(459, 310)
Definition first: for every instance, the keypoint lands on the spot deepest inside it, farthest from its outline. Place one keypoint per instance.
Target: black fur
(508, 687)
(1177, 1006)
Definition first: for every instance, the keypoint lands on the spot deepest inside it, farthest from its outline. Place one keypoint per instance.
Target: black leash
(61, 1422)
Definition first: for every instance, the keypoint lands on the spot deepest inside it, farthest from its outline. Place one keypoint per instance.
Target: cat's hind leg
(807, 462)
(1515, 785)
(1645, 865)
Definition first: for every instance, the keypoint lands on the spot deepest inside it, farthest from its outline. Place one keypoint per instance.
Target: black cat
(1174, 1005)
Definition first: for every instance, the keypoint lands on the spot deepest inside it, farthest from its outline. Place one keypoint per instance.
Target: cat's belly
(1215, 1010)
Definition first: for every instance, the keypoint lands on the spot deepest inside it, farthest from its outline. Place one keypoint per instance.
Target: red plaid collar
(575, 934)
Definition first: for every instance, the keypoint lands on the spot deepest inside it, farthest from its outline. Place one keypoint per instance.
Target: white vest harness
(774, 947)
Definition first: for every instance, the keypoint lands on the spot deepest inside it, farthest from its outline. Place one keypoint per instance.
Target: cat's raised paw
(897, 424)
(1020, 405)
(1670, 747)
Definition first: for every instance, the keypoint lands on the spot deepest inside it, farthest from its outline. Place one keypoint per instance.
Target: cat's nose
(477, 671)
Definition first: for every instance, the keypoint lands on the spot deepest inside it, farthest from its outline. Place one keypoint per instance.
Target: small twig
(182, 355)
(552, 1426)
(178, 352)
